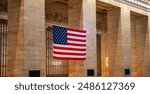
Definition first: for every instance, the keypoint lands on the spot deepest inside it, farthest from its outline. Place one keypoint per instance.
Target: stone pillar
(89, 24)
(146, 68)
(82, 15)
(26, 37)
(76, 68)
(140, 45)
(141, 67)
(113, 44)
(118, 41)
(15, 38)
(147, 73)
(126, 39)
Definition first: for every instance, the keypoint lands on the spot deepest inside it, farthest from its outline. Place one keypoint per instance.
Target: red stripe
(73, 49)
(76, 30)
(70, 34)
(62, 58)
(76, 40)
(73, 44)
(64, 53)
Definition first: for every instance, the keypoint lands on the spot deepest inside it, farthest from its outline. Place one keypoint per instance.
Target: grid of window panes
(3, 47)
(54, 68)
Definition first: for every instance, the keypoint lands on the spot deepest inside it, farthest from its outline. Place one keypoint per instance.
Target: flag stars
(59, 35)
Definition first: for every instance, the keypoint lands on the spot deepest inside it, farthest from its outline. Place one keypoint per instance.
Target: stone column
(113, 44)
(89, 24)
(146, 67)
(148, 44)
(26, 37)
(141, 64)
(118, 41)
(76, 68)
(15, 38)
(82, 15)
(126, 39)
(140, 45)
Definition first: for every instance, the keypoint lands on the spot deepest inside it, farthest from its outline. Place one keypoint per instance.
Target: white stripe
(78, 33)
(76, 42)
(69, 51)
(69, 56)
(81, 38)
(67, 46)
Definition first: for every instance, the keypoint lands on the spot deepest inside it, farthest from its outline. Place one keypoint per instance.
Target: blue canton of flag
(59, 35)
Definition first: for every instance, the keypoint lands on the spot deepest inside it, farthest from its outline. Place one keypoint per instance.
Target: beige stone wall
(54, 16)
(140, 48)
(15, 38)
(34, 36)
(125, 38)
(121, 46)
(26, 37)
(114, 40)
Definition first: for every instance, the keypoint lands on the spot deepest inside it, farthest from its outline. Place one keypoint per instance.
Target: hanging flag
(68, 43)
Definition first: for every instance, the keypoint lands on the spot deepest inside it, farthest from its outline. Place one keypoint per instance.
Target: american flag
(68, 43)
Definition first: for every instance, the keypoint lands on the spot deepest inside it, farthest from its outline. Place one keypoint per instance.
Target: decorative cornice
(137, 3)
